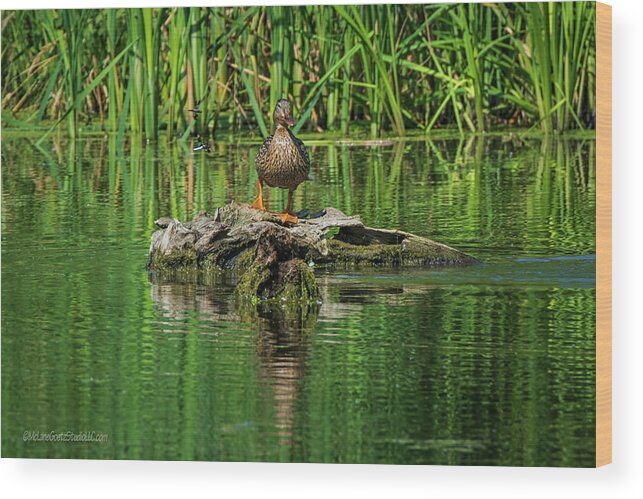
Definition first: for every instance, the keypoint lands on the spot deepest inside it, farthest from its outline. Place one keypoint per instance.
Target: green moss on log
(372, 254)
(176, 259)
(292, 281)
(409, 253)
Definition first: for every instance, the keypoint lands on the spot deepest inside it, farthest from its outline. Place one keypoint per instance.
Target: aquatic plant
(391, 67)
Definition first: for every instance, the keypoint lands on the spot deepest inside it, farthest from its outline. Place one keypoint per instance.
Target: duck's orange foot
(288, 218)
(257, 204)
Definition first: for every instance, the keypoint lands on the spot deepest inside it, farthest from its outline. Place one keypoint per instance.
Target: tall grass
(390, 67)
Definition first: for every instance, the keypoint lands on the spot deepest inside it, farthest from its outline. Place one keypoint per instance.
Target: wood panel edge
(603, 234)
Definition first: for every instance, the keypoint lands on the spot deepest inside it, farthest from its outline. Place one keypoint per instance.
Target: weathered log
(274, 262)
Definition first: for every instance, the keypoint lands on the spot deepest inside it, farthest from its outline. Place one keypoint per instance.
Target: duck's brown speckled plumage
(282, 160)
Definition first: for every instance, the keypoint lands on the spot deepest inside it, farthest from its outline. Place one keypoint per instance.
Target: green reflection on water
(492, 364)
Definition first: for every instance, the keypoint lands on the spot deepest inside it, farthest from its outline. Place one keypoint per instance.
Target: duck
(282, 161)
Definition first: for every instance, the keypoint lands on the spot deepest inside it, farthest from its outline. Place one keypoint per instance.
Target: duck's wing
(263, 150)
(302, 149)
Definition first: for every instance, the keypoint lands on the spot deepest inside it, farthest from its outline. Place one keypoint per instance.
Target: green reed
(392, 68)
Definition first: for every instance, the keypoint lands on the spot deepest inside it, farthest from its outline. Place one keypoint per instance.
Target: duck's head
(282, 114)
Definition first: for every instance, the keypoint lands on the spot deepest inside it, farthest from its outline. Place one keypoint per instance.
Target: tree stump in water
(274, 262)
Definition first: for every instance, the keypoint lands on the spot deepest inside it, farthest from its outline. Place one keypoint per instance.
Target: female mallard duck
(282, 160)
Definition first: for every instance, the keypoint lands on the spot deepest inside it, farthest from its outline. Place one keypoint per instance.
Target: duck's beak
(290, 121)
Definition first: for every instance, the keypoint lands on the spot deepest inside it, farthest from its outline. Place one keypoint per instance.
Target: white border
(114, 479)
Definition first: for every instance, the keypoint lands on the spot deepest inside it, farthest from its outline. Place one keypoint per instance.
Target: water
(492, 364)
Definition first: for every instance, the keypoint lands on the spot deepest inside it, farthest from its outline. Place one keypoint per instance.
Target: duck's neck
(282, 135)
(282, 130)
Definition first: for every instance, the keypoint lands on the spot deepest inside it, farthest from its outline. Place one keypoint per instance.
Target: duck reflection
(282, 334)
(283, 343)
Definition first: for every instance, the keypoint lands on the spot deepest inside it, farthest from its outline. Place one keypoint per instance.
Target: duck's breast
(282, 160)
